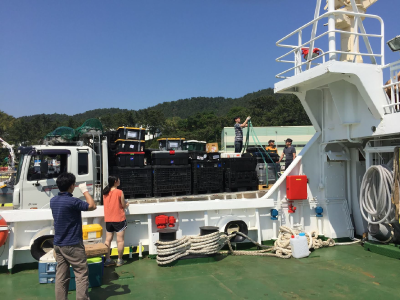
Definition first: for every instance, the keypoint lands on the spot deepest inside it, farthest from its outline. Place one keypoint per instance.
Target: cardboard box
(94, 250)
(212, 147)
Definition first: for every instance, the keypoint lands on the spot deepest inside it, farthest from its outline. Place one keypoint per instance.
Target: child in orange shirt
(114, 216)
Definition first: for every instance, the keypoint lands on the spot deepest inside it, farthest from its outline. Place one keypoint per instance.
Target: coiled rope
(375, 197)
(168, 252)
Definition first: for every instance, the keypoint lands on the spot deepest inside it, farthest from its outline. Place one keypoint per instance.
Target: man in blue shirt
(68, 239)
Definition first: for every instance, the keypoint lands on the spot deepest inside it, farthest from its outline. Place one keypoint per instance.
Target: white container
(299, 246)
(231, 155)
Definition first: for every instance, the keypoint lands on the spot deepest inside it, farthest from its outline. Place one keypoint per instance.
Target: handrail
(296, 48)
(327, 14)
(295, 162)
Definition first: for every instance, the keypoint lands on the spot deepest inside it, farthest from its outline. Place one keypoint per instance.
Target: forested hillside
(200, 118)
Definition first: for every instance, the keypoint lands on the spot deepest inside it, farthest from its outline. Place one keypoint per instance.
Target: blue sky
(73, 56)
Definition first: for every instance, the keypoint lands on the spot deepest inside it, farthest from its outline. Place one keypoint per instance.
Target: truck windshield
(21, 161)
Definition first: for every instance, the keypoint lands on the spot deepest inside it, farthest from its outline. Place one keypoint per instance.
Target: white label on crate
(131, 146)
(215, 156)
(92, 235)
(173, 144)
(131, 135)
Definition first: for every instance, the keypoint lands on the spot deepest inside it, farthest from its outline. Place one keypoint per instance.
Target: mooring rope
(168, 252)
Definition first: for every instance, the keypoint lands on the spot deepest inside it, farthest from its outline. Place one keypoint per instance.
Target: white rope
(375, 196)
(167, 252)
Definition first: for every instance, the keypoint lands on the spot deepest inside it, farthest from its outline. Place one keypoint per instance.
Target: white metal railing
(331, 32)
(391, 89)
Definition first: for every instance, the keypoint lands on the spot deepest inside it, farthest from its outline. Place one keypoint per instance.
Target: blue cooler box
(96, 268)
(47, 273)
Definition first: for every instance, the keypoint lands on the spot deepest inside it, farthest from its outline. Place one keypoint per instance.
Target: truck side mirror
(44, 167)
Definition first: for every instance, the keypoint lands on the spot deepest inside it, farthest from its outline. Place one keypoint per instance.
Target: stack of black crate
(171, 170)
(207, 171)
(240, 174)
(127, 161)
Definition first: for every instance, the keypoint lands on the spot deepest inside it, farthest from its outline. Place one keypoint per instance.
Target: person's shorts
(116, 226)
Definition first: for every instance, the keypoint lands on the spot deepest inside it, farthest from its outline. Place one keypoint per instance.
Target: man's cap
(271, 141)
(289, 140)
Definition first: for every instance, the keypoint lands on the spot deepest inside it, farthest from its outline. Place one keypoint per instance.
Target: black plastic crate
(254, 149)
(240, 164)
(171, 180)
(240, 180)
(198, 155)
(129, 146)
(130, 159)
(269, 158)
(131, 133)
(194, 145)
(207, 176)
(170, 157)
(135, 181)
(147, 154)
(166, 144)
(213, 155)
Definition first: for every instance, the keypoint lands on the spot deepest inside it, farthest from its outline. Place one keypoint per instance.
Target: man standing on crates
(239, 133)
(290, 152)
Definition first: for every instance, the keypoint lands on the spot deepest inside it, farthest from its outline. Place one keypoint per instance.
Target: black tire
(40, 244)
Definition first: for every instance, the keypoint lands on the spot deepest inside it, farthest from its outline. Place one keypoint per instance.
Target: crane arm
(10, 148)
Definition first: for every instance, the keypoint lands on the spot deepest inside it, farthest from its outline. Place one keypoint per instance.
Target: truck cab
(39, 167)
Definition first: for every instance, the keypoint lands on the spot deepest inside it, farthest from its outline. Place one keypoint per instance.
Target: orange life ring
(3, 233)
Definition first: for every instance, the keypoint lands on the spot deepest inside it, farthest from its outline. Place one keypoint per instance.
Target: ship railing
(331, 33)
(391, 89)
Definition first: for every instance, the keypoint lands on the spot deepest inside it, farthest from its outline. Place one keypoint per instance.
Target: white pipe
(150, 234)
(274, 235)
(291, 220)
(348, 135)
(331, 27)
(140, 250)
(301, 215)
(319, 226)
(205, 218)
(258, 226)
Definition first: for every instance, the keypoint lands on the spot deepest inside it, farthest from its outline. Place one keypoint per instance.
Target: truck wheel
(41, 246)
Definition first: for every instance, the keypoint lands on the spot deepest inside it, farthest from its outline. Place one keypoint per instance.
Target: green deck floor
(331, 273)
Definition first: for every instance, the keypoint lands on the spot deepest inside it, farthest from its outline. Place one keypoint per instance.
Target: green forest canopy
(200, 118)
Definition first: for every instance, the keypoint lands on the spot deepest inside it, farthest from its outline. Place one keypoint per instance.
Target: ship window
(57, 164)
(83, 163)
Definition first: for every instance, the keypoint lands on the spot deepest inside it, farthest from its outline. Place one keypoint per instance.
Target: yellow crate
(92, 231)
